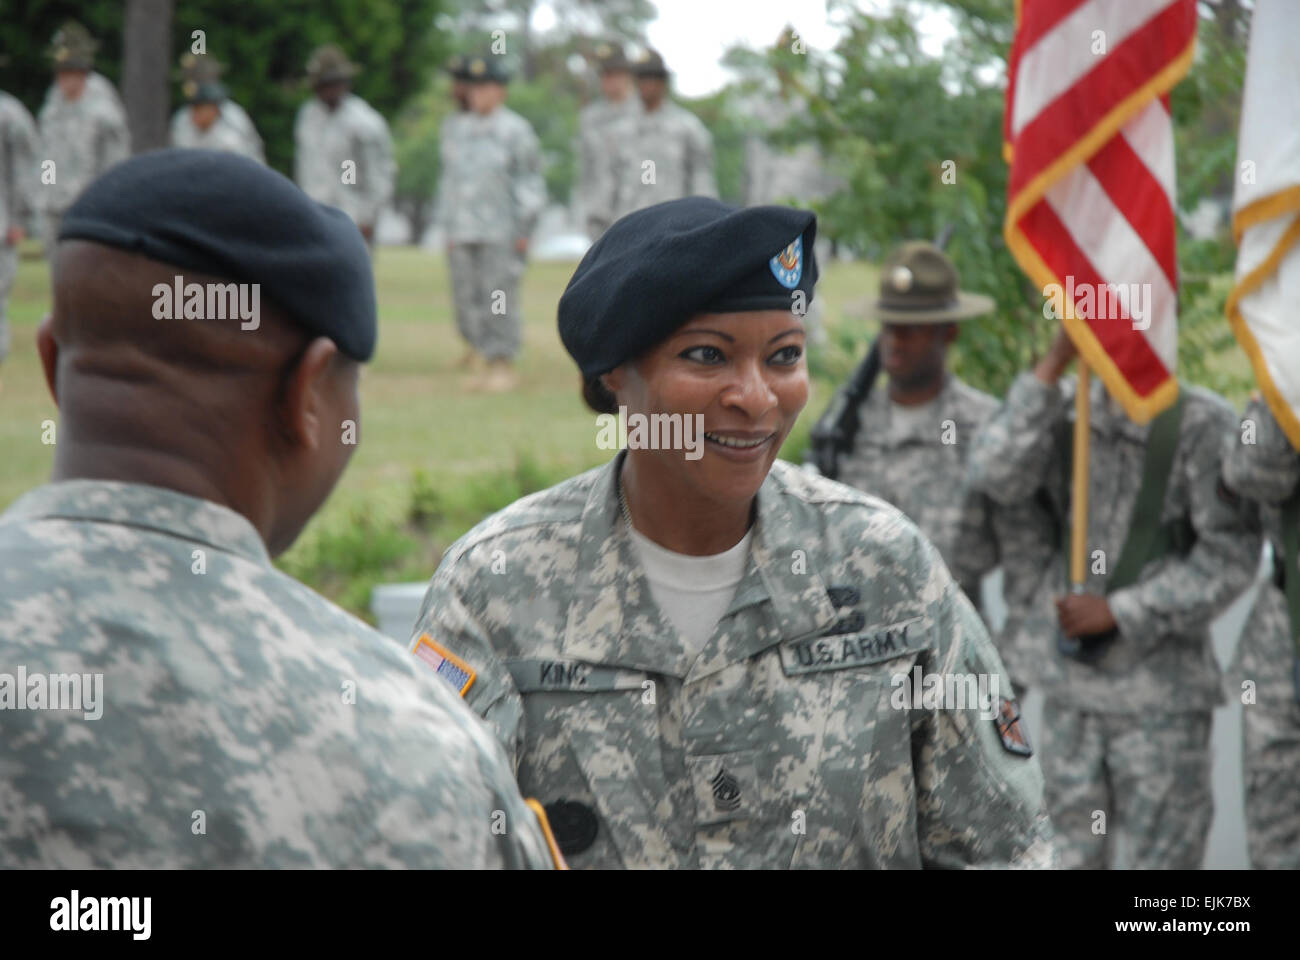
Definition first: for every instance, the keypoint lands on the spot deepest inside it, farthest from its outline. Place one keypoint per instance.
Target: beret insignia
(787, 266)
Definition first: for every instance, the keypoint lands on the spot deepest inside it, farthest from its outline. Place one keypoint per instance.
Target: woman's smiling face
(744, 374)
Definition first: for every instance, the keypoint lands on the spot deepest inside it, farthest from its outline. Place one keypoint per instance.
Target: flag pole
(1079, 483)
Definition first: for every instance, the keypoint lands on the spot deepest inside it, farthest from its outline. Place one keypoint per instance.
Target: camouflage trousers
(8, 271)
(485, 287)
(1270, 733)
(1147, 775)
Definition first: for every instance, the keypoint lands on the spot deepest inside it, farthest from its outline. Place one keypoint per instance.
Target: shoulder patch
(445, 663)
(1010, 729)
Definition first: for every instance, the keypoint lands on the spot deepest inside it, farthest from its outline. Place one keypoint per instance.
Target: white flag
(1264, 307)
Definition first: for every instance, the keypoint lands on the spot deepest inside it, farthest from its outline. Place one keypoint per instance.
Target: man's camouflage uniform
(1268, 472)
(246, 721)
(18, 179)
(1129, 736)
(490, 194)
(84, 137)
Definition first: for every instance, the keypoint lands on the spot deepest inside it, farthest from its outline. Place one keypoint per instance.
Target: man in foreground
(167, 697)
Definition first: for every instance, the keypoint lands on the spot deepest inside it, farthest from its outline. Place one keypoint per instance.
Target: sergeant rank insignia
(726, 791)
(1010, 729)
(787, 266)
(445, 663)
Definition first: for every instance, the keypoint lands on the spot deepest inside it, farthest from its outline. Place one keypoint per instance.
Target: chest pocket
(857, 805)
(592, 753)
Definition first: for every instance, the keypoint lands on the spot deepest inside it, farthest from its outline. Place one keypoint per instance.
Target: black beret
(228, 216)
(656, 268)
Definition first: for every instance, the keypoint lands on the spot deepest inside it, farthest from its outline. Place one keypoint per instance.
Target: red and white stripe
(1091, 188)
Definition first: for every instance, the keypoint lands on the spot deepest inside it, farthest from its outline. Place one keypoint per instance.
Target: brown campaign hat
(918, 284)
(200, 68)
(609, 57)
(73, 48)
(329, 64)
(650, 64)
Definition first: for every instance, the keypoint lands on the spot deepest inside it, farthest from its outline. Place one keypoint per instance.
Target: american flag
(1090, 211)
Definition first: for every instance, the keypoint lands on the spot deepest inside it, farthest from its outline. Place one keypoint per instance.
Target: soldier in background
(1267, 470)
(214, 712)
(914, 438)
(343, 153)
(459, 85)
(667, 152)
(210, 120)
(83, 126)
(602, 125)
(1129, 703)
(490, 194)
(18, 179)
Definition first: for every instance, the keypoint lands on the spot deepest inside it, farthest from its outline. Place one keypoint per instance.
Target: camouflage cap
(329, 64)
(918, 284)
(610, 58)
(650, 63)
(73, 48)
(486, 69)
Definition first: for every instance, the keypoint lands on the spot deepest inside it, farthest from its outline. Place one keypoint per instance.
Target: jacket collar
(614, 620)
(146, 508)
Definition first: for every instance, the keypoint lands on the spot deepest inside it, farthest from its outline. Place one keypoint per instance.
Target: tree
(264, 44)
(146, 56)
(917, 141)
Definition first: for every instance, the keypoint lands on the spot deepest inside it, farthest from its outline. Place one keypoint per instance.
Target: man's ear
(305, 398)
(48, 348)
(614, 380)
(949, 334)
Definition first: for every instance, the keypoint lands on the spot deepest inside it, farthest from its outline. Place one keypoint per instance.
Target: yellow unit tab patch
(445, 663)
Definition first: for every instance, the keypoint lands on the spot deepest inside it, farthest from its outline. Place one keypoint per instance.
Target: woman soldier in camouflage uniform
(698, 655)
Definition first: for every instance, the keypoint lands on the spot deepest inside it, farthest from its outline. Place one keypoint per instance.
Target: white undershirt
(913, 420)
(692, 592)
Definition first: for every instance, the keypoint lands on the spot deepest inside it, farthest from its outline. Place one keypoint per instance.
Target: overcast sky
(693, 35)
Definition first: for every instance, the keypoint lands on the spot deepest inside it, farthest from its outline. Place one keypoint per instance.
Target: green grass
(434, 458)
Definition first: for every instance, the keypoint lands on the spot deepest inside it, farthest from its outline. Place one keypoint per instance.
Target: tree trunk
(146, 60)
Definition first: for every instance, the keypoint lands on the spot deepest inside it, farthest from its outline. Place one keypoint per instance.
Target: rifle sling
(1148, 539)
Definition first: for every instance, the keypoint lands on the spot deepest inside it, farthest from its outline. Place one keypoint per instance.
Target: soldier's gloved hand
(521, 246)
(1084, 615)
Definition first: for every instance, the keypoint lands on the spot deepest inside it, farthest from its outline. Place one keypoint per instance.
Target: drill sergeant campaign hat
(329, 64)
(656, 268)
(457, 65)
(486, 69)
(231, 217)
(200, 67)
(650, 64)
(610, 58)
(918, 284)
(73, 48)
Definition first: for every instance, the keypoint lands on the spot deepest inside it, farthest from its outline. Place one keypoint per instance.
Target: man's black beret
(656, 268)
(230, 217)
